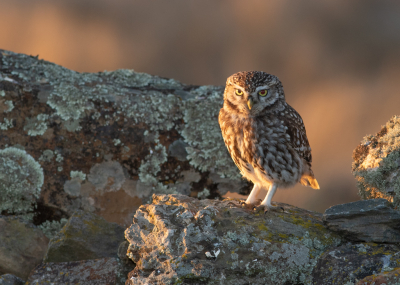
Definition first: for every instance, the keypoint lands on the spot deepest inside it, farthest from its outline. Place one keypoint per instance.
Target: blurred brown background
(339, 61)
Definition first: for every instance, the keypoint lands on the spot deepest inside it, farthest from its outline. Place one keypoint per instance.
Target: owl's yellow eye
(263, 92)
(239, 92)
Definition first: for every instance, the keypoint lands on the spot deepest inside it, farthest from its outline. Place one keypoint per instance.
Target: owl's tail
(309, 180)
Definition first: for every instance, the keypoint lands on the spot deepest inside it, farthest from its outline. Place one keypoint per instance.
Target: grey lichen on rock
(21, 179)
(376, 163)
(207, 150)
(51, 228)
(154, 128)
(180, 240)
(37, 125)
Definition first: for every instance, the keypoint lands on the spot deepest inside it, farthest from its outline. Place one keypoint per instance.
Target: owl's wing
(297, 132)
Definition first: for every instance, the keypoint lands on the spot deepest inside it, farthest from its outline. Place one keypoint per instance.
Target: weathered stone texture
(105, 142)
(22, 246)
(392, 277)
(370, 221)
(376, 164)
(349, 263)
(85, 236)
(181, 240)
(86, 272)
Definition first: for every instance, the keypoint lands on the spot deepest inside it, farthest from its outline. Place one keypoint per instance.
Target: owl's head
(253, 93)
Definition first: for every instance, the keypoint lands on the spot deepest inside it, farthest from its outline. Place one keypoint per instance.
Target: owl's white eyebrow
(262, 88)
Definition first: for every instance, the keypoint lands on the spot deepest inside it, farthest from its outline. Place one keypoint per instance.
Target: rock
(349, 263)
(85, 236)
(182, 240)
(370, 221)
(88, 272)
(376, 164)
(105, 142)
(9, 279)
(392, 277)
(127, 265)
(22, 246)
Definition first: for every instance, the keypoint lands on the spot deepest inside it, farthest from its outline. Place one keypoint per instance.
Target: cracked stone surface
(181, 240)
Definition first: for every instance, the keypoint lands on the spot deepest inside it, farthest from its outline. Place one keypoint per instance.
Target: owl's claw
(246, 206)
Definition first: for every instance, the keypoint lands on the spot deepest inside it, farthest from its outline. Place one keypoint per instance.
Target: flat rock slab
(350, 263)
(22, 246)
(9, 279)
(85, 236)
(88, 272)
(372, 220)
(183, 240)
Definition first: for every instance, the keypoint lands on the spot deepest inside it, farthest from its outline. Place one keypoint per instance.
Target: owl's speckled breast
(260, 148)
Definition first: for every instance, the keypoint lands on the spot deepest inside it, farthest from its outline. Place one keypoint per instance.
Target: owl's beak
(250, 103)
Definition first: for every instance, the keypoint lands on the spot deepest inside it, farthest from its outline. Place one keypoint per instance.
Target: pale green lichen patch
(206, 150)
(376, 164)
(47, 155)
(6, 124)
(21, 179)
(151, 167)
(51, 228)
(69, 101)
(36, 126)
(78, 174)
(10, 106)
(73, 186)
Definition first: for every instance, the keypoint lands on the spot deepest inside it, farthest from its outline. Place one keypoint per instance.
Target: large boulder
(181, 240)
(376, 164)
(105, 142)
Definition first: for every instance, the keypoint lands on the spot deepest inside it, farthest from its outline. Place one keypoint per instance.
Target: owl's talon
(260, 208)
(246, 206)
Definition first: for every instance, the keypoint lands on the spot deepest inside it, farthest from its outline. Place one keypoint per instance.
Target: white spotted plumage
(264, 135)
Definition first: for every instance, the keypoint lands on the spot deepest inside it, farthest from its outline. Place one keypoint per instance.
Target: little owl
(264, 135)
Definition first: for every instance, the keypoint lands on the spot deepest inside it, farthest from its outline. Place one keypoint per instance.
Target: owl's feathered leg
(249, 203)
(253, 194)
(266, 203)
